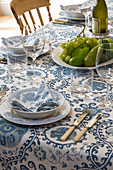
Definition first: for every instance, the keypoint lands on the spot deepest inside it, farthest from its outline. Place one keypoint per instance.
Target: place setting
(72, 12)
(35, 106)
(15, 45)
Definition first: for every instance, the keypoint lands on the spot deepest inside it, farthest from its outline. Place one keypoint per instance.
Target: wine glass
(104, 67)
(87, 12)
(33, 44)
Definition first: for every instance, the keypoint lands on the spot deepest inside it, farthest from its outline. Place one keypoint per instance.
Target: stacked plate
(72, 12)
(35, 103)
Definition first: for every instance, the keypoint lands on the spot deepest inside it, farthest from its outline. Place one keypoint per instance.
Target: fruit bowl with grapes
(80, 51)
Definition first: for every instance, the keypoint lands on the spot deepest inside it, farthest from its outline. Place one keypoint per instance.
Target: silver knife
(3, 92)
(75, 124)
(89, 125)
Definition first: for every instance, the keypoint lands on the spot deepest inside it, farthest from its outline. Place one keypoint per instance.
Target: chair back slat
(32, 19)
(50, 18)
(25, 19)
(21, 24)
(40, 17)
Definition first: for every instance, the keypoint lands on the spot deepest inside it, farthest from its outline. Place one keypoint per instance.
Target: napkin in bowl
(32, 98)
(12, 42)
(13, 45)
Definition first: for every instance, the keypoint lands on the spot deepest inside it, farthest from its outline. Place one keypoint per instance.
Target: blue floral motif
(99, 86)
(10, 134)
(31, 165)
(39, 153)
(2, 71)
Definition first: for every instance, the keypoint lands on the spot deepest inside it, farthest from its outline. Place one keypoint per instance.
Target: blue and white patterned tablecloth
(39, 147)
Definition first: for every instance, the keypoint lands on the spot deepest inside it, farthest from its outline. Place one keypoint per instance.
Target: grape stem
(81, 33)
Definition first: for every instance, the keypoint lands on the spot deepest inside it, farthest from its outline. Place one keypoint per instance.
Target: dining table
(35, 144)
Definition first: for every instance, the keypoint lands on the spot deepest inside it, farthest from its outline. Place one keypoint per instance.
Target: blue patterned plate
(32, 98)
(13, 117)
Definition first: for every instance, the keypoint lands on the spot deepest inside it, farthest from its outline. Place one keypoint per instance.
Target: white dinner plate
(65, 16)
(18, 40)
(7, 114)
(58, 60)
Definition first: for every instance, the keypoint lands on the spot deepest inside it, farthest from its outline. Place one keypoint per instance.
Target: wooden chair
(23, 11)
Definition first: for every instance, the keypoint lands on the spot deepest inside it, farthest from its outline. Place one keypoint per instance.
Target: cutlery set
(77, 122)
(65, 22)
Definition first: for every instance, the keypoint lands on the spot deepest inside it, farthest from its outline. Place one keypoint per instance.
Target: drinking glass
(17, 66)
(33, 44)
(87, 12)
(81, 83)
(104, 67)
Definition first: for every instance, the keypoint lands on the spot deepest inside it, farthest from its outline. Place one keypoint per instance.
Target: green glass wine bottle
(100, 17)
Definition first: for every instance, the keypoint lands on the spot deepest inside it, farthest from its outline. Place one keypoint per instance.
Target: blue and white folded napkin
(32, 98)
(43, 95)
(14, 44)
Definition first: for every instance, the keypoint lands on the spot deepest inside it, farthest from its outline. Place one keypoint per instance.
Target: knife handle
(58, 22)
(78, 137)
(67, 133)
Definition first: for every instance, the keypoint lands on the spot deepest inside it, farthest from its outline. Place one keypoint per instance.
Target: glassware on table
(33, 44)
(17, 65)
(87, 12)
(81, 83)
(104, 67)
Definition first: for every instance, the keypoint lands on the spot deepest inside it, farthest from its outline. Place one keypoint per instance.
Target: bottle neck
(100, 1)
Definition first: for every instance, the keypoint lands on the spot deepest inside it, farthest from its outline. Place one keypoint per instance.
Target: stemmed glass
(104, 67)
(88, 20)
(33, 44)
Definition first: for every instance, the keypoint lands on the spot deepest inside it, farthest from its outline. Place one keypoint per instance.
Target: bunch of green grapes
(81, 42)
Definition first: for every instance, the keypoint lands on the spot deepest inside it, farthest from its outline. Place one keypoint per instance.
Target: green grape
(63, 56)
(88, 42)
(79, 39)
(91, 39)
(71, 43)
(95, 40)
(70, 49)
(85, 45)
(62, 45)
(67, 46)
(82, 42)
(65, 51)
(85, 39)
(76, 44)
(67, 59)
